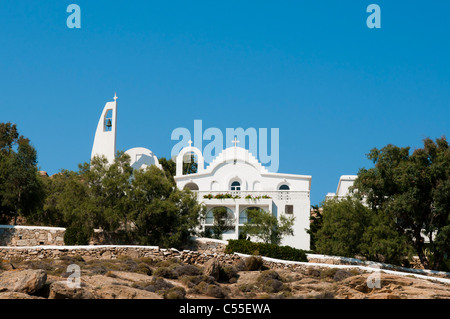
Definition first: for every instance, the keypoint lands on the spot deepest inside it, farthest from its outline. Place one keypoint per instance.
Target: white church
(235, 180)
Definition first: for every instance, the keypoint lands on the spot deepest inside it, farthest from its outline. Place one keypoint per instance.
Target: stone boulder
(125, 292)
(17, 295)
(26, 281)
(60, 290)
(212, 268)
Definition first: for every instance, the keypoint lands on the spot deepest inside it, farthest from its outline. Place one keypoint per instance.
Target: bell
(108, 124)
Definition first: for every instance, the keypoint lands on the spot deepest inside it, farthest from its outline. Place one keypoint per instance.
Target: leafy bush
(247, 287)
(253, 263)
(165, 272)
(216, 292)
(267, 275)
(268, 250)
(74, 236)
(191, 281)
(187, 270)
(228, 274)
(341, 275)
(175, 293)
(143, 268)
(270, 281)
(158, 285)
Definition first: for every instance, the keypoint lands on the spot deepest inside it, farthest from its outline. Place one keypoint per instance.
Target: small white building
(236, 172)
(343, 188)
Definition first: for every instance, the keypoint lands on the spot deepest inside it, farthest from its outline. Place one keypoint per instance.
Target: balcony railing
(253, 195)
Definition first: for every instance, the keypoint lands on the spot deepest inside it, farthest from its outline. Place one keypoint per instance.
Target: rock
(212, 268)
(17, 295)
(60, 290)
(125, 292)
(26, 281)
(341, 275)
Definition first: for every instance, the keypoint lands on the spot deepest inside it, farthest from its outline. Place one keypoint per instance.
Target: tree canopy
(267, 227)
(136, 206)
(413, 188)
(21, 189)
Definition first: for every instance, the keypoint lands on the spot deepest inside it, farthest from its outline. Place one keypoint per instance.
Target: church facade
(235, 180)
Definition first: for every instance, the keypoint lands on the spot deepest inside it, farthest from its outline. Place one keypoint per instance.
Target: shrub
(328, 273)
(191, 281)
(187, 270)
(272, 285)
(341, 275)
(216, 292)
(253, 263)
(175, 293)
(267, 275)
(99, 270)
(147, 260)
(144, 269)
(270, 281)
(314, 272)
(247, 287)
(269, 250)
(168, 263)
(228, 274)
(325, 295)
(166, 272)
(158, 285)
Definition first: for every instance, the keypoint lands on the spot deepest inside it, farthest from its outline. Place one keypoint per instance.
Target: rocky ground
(146, 278)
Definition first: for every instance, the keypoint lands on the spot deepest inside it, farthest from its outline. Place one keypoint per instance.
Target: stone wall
(112, 252)
(208, 245)
(31, 236)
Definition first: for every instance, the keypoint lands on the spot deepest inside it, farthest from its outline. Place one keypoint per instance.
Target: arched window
(108, 121)
(191, 186)
(190, 163)
(243, 216)
(223, 213)
(235, 186)
(283, 187)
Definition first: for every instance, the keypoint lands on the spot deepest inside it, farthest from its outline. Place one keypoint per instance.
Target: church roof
(239, 154)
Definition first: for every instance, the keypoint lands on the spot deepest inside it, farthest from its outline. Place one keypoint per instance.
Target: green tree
(316, 222)
(223, 222)
(109, 187)
(344, 223)
(21, 188)
(170, 168)
(381, 241)
(267, 227)
(414, 189)
(163, 215)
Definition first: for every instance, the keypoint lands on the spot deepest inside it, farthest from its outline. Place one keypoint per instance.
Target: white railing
(255, 195)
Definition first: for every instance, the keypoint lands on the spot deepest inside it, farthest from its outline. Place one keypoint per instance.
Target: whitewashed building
(343, 188)
(235, 171)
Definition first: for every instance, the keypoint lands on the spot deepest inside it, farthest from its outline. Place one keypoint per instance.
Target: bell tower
(105, 136)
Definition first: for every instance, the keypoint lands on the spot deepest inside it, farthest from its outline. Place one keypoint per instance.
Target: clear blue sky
(313, 69)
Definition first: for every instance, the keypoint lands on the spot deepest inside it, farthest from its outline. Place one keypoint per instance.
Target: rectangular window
(289, 209)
